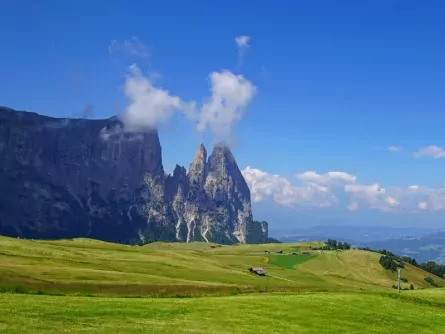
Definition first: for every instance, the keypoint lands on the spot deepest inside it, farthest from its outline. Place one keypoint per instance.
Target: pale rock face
(217, 204)
(88, 178)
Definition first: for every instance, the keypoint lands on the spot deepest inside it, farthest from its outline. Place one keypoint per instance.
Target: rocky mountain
(62, 178)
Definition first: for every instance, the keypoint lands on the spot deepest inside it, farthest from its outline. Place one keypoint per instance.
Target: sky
(333, 110)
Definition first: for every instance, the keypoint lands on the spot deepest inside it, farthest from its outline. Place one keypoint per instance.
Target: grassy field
(73, 285)
(289, 262)
(89, 267)
(328, 312)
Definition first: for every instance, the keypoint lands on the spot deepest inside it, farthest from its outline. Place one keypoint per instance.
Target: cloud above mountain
(230, 95)
(150, 105)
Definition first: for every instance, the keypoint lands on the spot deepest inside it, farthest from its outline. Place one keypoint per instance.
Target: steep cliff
(212, 201)
(76, 177)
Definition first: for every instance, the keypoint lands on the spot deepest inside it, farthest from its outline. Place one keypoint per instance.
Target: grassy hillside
(327, 291)
(327, 312)
(84, 266)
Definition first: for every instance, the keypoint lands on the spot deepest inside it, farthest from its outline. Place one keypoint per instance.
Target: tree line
(332, 244)
(388, 257)
(390, 263)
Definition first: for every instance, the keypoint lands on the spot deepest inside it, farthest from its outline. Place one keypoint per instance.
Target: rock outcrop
(64, 178)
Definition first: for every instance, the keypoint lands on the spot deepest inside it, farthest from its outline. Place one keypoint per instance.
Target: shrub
(388, 263)
(430, 281)
(411, 287)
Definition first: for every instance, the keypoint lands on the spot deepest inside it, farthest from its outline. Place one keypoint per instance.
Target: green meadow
(311, 312)
(85, 285)
(289, 262)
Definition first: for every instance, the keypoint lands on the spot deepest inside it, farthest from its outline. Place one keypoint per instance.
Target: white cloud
(353, 206)
(321, 190)
(433, 151)
(423, 206)
(230, 95)
(371, 196)
(149, 105)
(107, 133)
(243, 44)
(242, 41)
(407, 199)
(435, 198)
(392, 201)
(432, 199)
(265, 186)
(116, 133)
(132, 47)
(395, 148)
(313, 176)
(369, 190)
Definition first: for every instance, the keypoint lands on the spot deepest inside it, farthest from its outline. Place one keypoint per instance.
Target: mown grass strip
(289, 261)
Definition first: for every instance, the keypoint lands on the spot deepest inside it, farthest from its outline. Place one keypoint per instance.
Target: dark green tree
(332, 243)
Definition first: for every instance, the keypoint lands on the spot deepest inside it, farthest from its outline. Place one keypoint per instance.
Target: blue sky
(336, 84)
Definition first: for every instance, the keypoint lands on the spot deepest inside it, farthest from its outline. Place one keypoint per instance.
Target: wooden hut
(258, 270)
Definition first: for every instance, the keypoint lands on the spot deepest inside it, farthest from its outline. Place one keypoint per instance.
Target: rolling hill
(85, 266)
(73, 285)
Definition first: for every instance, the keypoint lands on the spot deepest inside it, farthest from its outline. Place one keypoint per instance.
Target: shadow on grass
(414, 300)
(138, 291)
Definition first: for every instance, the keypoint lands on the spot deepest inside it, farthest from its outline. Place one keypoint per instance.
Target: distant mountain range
(420, 243)
(357, 234)
(430, 247)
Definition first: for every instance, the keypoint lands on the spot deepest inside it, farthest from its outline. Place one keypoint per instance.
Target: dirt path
(284, 279)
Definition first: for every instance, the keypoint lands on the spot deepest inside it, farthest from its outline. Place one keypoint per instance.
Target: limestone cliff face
(212, 201)
(230, 194)
(88, 178)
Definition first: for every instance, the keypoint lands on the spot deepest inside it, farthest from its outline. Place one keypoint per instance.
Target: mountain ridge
(90, 178)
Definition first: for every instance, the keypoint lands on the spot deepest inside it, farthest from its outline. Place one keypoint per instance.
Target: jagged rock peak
(179, 170)
(201, 153)
(222, 160)
(221, 146)
(198, 168)
(200, 157)
(222, 151)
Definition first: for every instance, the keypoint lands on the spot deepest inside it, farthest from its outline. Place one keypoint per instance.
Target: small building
(258, 270)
